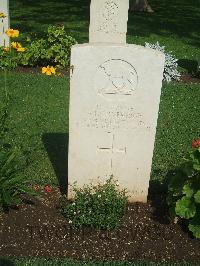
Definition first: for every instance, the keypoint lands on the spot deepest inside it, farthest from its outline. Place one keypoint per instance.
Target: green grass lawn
(38, 122)
(175, 23)
(38, 111)
(68, 262)
(38, 118)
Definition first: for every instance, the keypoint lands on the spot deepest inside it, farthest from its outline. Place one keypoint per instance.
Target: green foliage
(99, 206)
(12, 185)
(184, 192)
(8, 60)
(52, 50)
(35, 53)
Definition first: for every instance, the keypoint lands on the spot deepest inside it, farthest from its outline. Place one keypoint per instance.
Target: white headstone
(4, 23)
(114, 103)
(108, 21)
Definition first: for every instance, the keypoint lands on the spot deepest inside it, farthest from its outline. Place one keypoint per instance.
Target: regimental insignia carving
(109, 17)
(116, 77)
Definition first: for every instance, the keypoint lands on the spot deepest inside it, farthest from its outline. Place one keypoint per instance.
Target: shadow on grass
(173, 17)
(56, 145)
(189, 65)
(157, 195)
(34, 16)
(6, 262)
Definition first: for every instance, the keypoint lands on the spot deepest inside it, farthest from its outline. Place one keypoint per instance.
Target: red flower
(196, 143)
(47, 189)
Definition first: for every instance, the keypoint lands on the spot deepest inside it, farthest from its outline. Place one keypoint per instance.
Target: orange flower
(48, 70)
(2, 15)
(6, 49)
(196, 143)
(12, 33)
(16, 45)
(21, 49)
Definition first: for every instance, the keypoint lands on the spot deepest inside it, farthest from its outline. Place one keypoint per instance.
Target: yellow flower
(48, 70)
(2, 15)
(6, 49)
(12, 33)
(21, 49)
(16, 45)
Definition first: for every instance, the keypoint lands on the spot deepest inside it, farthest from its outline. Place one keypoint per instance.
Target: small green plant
(184, 191)
(52, 50)
(99, 206)
(12, 184)
(8, 60)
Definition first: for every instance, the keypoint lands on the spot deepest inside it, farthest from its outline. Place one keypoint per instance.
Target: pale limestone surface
(114, 103)
(4, 23)
(108, 21)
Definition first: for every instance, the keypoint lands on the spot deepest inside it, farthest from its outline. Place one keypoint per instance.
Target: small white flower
(73, 203)
(99, 196)
(74, 213)
(70, 222)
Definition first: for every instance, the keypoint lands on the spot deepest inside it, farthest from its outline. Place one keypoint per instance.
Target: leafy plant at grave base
(53, 50)
(171, 65)
(99, 206)
(184, 191)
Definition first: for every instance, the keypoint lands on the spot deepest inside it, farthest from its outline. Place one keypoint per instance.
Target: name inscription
(114, 117)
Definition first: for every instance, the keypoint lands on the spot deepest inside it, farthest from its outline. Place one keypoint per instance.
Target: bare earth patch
(38, 228)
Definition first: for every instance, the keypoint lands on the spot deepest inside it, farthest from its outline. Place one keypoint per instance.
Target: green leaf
(194, 225)
(197, 197)
(196, 167)
(188, 191)
(185, 208)
(176, 183)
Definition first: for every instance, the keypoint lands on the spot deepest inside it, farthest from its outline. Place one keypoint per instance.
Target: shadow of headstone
(157, 195)
(6, 262)
(56, 145)
(189, 65)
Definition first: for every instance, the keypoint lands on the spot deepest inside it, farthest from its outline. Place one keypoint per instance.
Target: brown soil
(187, 78)
(38, 229)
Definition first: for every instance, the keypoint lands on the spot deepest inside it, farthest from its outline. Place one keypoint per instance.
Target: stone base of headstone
(114, 104)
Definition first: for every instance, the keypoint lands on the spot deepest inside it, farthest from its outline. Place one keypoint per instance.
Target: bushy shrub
(184, 191)
(53, 50)
(170, 70)
(99, 206)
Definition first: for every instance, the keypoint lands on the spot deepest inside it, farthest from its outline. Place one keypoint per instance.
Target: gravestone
(4, 23)
(114, 104)
(108, 21)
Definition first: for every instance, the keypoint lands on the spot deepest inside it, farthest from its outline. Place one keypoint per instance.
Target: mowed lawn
(175, 23)
(38, 120)
(38, 110)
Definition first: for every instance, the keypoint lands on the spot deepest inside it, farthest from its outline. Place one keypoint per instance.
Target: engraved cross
(111, 149)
